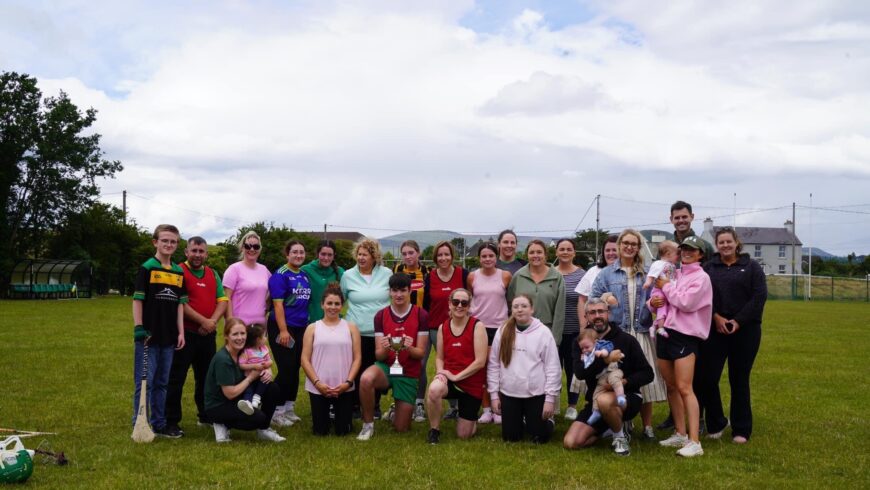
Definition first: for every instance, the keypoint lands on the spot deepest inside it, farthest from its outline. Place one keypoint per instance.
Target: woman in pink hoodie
(523, 375)
(690, 297)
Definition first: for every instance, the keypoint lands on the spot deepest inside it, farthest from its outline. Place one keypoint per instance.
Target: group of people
(624, 334)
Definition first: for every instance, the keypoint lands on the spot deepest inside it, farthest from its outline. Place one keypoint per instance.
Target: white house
(778, 250)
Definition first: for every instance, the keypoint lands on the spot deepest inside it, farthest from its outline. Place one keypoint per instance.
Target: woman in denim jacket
(630, 312)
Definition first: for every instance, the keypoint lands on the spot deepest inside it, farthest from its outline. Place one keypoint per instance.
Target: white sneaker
(571, 413)
(718, 435)
(620, 446)
(279, 420)
(676, 440)
(486, 417)
(496, 419)
(419, 413)
(270, 435)
(366, 433)
(691, 450)
(246, 407)
(291, 416)
(221, 433)
(391, 413)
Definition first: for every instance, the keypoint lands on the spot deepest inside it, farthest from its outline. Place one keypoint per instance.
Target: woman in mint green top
(321, 272)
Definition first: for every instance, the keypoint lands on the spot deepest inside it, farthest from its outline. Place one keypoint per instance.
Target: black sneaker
(668, 423)
(434, 435)
(170, 431)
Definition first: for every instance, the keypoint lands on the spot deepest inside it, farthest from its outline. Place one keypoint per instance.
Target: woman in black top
(739, 294)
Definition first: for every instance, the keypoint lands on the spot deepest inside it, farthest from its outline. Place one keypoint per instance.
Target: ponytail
(508, 336)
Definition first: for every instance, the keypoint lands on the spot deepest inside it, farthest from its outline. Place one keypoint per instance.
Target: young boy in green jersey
(158, 319)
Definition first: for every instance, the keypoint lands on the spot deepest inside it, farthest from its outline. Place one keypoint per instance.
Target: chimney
(708, 226)
(789, 226)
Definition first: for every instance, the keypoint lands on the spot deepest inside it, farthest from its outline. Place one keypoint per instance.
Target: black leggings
(367, 347)
(288, 361)
(521, 415)
(341, 407)
(739, 350)
(566, 358)
(229, 414)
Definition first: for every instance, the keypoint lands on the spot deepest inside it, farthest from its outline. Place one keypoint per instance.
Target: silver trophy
(397, 344)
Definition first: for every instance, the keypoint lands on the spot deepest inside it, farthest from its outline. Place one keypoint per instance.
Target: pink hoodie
(690, 297)
(534, 369)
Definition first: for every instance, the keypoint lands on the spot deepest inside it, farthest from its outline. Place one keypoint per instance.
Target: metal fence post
(832, 288)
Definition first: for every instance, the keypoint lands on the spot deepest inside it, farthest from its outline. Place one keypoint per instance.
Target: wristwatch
(350, 382)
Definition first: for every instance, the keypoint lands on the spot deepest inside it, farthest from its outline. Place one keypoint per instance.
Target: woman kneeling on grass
(225, 385)
(690, 300)
(523, 375)
(459, 368)
(331, 358)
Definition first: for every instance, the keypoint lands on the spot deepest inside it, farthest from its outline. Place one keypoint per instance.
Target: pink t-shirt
(250, 288)
(254, 355)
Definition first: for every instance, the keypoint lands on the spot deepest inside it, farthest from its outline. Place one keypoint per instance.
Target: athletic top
(412, 324)
(437, 293)
(512, 266)
(294, 291)
(161, 291)
(459, 354)
(319, 277)
(331, 354)
(222, 371)
(488, 302)
(204, 292)
(250, 288)
(417, 281)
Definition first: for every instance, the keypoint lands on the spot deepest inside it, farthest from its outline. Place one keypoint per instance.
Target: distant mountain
(817, 252)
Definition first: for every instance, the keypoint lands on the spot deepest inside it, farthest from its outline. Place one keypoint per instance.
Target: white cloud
(380, 116)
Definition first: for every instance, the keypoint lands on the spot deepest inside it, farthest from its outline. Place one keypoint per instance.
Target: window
(758, 251)
(782, 251)
(782, 268)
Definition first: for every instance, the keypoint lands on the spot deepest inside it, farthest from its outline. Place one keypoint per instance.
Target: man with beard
(636, 373)
(207, 303)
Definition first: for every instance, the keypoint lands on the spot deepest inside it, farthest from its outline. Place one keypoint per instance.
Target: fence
(797, 286)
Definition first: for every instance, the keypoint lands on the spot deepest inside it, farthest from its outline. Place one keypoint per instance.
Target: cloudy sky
(473, 116)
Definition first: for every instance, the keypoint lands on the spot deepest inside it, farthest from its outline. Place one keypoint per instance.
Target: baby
(665, 267)
(591, 347)
(254, 356)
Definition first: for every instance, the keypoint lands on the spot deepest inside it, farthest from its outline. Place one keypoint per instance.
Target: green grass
(66, 367)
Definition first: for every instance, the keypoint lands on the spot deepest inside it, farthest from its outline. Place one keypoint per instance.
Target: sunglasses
(459, 302)
(252, 246)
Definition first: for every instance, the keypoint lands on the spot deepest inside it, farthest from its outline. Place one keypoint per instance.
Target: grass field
(66, 367)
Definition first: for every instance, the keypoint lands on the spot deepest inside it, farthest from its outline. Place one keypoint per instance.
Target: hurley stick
(142, 430)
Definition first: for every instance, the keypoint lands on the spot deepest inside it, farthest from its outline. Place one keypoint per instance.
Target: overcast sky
(470, 116)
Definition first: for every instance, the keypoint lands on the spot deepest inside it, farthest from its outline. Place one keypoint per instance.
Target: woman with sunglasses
(621, 283)
(488, 287)
(459, 368)
(439, 283)
(246, 283)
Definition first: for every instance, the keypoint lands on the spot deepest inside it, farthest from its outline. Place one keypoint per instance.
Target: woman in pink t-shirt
(246, 283)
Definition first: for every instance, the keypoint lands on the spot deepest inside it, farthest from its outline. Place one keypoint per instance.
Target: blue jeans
(159, 364)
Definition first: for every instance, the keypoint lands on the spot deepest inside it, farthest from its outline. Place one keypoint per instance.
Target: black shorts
(490, 334)
(632, 408)
(468, 405)
(676, 345)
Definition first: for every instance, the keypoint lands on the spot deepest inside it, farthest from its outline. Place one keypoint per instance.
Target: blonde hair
(637, 266)
(245, 237)
(509, 334)
(371, 246)
(668, 246)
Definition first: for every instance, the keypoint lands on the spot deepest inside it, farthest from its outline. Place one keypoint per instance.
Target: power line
(584, 215)
(833, 210)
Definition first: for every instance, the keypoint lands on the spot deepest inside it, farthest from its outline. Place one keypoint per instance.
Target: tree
(49, 166)
(586, 248)
(115, 249)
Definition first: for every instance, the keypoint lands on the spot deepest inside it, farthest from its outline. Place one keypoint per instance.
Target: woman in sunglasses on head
(246, 283)
(459, 368)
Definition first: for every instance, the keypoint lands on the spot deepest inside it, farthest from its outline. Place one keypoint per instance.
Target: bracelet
(349, 382)
(315, 381)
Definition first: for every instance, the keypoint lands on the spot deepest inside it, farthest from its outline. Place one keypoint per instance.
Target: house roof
(337, 235)
(759, 235)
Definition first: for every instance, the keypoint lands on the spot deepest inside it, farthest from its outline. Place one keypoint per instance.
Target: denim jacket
(612, 279)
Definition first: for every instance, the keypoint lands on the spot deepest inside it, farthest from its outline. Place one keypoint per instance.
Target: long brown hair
(509, 335)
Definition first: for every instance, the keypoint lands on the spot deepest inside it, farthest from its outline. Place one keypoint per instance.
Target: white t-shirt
(660, 267)
(584, 287)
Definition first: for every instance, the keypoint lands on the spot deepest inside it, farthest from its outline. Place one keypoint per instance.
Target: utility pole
(324, 231)
(597, 225)
(793, 244)
(124, 206)
(810, 278)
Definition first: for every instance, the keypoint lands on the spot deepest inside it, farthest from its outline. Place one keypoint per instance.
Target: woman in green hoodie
(545, 285)
(321, 272)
